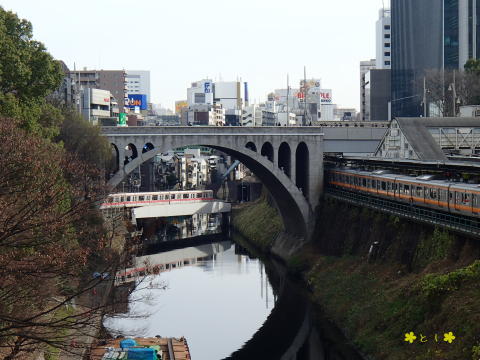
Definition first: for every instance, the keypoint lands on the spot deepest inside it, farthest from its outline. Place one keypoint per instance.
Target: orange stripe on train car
(414, 198)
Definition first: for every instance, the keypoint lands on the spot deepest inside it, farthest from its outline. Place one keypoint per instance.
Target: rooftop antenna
(304, 122)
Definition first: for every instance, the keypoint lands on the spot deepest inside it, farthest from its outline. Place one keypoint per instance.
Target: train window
(185, 196)
(147, 197)
(154, 197)
(474, 200)
(419, 191)
(122, 198)
(406, 189)
(374, 184)
(167, 197)
(141, 198)
(128, 198)
(384, 185)
(433, 194)
(442, 195)
(364, 182)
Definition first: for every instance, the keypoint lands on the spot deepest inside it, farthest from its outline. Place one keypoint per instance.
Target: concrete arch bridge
(288, 160)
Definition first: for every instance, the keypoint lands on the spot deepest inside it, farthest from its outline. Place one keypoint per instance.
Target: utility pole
(424, 97)
(288, 96)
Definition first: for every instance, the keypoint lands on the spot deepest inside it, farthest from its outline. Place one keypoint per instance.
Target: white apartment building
(97, 104)
(229, 94)
(138, 82)
(383, 41)
(286, 119)
(252, 115)
(200, 92)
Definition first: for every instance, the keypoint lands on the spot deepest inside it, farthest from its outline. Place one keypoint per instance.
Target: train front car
(465, 199)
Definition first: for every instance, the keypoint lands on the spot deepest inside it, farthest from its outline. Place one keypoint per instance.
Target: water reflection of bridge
(167, 261)
(290, 331)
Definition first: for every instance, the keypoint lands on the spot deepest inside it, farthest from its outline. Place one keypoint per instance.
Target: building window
(386, 53)
(386, 27)
(388, 63)
(387, 45)
(386, 36)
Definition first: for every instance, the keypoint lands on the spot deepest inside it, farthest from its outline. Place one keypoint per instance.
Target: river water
(226, 303)
(216, 303)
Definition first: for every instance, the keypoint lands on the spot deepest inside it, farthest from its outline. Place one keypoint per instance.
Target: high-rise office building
(138, 82)
(383, 39)
(429, 34)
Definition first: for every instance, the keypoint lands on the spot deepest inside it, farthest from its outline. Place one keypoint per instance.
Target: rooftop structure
(430, 138)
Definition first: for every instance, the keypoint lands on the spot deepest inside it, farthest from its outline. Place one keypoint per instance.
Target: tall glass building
(429, 34)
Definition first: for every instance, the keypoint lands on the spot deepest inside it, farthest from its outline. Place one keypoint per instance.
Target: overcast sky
(181, 41)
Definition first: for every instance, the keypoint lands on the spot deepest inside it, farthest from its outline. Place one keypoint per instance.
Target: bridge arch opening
(284, 158)
(301, 168)
(147, 147)
(250, 145)
(293, 207)
(131, 153)
(267, 151)
(115, 158)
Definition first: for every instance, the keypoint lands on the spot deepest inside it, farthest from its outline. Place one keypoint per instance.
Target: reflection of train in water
(425, 191)
(166, 261)
(156, 198)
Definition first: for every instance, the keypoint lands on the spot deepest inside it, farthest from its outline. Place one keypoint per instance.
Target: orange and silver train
(447, 196)
(155, 198)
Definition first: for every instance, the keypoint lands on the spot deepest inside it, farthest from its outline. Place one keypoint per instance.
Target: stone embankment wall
(379, 277)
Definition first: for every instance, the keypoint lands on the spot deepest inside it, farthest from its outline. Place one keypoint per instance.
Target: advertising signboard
(326, 96)
(207, 87)
(179, 105)
(122, 119)
(139, 100)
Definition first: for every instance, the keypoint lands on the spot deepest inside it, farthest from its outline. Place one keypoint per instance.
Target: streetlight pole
(454, 96)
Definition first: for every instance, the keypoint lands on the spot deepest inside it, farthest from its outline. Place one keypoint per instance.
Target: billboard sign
(207, 87)
(122, 119)
(139, 100)
(179, 105)
(326, 96)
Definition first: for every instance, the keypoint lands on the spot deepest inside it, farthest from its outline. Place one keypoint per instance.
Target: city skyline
(186, 46)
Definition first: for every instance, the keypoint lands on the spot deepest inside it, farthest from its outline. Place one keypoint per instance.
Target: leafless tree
(447, 90)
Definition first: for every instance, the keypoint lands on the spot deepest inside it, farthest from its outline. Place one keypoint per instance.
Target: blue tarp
(127, 343)
(141, 354)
